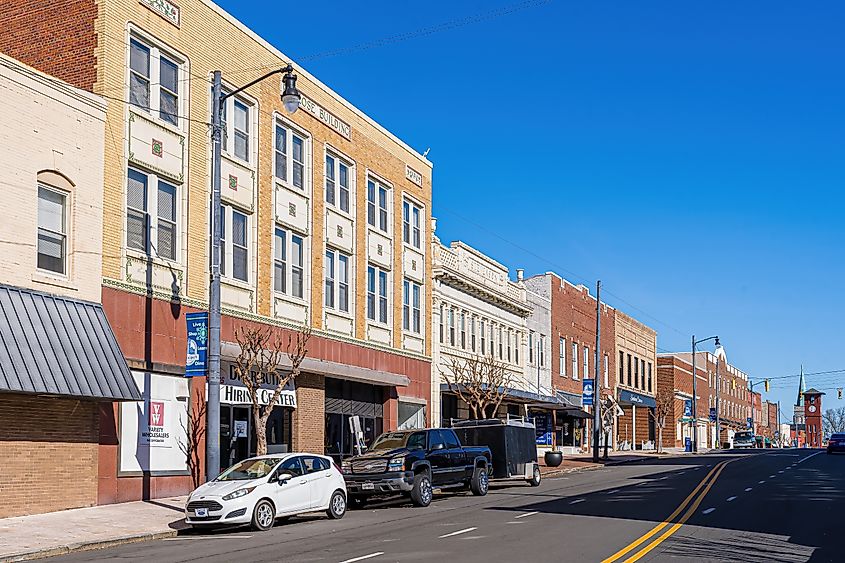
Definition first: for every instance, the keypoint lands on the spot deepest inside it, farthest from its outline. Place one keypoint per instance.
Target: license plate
(201, 512)
(368, 486)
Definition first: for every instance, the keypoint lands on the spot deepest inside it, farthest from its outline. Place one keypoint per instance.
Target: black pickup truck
(413, 462)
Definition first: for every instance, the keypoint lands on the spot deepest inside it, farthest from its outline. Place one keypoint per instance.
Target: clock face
(812, 408)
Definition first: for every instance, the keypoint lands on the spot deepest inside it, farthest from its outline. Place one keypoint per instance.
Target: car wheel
(337, 506)
(421, 493)
(263, 516)
(535, 478)
(480, 482)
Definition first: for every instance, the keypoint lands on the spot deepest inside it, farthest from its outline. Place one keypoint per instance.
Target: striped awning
(55, 345)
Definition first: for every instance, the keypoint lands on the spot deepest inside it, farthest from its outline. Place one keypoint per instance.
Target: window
(288, 263)
(315, 464)
(642, 374)
(442, 322)
(472, 323)
(153, 81)
(52, 230)
(607, 372)
(562, 357)
(490, 337)
(621, 368)
(411, 213)
(411, 306)
(377, 205)
(451, 326)
(240, 252)
(530, 347)
(157, 235)
(501, 355)
(542, 350)
(297, 271)
(290, 157)
(376, 294)
(483, 330)
(337, 183)
(223, 239)
(280, 271)
(236, 132)
(629, 370)
(586, 362)
(510, 338)
(329, 279)
(517, 344)
(574, 360)
(636, 372)
(241, 127)
(463, 331)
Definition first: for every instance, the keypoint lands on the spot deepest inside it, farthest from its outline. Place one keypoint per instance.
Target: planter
(553, 459)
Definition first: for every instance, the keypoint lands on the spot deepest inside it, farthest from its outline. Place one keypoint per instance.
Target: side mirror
(439, 446)
(284, 478)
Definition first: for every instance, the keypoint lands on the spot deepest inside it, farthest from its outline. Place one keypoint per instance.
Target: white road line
(748, 489)
(464, 531)
(780, 471)
(576, 501)
(761, 482)
(370, 556)
(731, 499)
(708, 511)
(526, 514)
(808, 457)
(614, 491)
(771, 476)
(514, 522)
(220, 537)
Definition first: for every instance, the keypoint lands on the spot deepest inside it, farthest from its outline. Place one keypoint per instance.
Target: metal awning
(231, 350)
(59, 346)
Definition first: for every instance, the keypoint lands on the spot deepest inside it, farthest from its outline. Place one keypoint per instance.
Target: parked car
(413, 463)
(744, 440)
(261, 489)
(836, 443)
(512, 442)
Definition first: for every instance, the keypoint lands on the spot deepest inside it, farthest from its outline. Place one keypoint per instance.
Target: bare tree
(664, 408)
(261, 361)
(833, 420)
(480, 381)
(194, 432)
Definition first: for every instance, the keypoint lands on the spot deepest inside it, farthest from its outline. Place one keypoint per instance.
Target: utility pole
(596, 384)
(718, 414)
(212, 436)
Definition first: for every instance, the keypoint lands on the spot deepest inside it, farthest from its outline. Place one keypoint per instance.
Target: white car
(260, 489)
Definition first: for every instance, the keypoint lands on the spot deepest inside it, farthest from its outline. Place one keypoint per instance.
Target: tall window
(152, 234)
(297, 266)
(240, 250)
(377, 205)
(337, 183)
(451, 327)
(153, 81)
(290, 157)
(280, 266)
(472, 323)
(649, 377)
(642, 374)
(621, 368)
(52, 230)
(530, 347)
(509, 337)
(586, 362)
(542, 350)
(376, 294)
(490, 338)
(562, 357)
(329, 279)
(289, 263)
(606, 371)
(517, 344)
(629, 370)
(501, 355)
(411, 214)
(442, 321)
(463, 331)
(411, 311)
(574, 360)
(241, 130)
(483, 330)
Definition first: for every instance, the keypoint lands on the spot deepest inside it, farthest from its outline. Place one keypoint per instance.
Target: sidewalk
(55, 533)
(584, 461)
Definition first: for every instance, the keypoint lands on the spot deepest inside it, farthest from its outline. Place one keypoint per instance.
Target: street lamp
(290, 100)
(694, 422)
(720, 355)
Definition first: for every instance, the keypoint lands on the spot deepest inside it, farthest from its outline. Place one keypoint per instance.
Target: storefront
(635, 428)
(351, 398)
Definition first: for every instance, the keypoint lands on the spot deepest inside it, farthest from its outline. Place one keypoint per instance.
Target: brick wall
(309, 417)
(56, 37)
(48, 449)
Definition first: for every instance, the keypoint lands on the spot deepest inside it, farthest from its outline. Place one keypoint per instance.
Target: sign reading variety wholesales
(196, 361)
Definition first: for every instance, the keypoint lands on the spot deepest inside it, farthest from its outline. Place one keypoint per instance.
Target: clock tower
(813, 417)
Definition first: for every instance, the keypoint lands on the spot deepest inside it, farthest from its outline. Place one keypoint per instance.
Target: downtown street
(771, 505)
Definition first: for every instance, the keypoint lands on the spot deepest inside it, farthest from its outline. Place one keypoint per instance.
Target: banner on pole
(196, 361)
(587, 394)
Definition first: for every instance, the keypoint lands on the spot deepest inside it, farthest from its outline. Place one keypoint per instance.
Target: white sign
(240, 428)
(329, 119)
(236, 395)
(166, 9)
(413, 175)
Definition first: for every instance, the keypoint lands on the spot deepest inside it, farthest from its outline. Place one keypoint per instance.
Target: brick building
(50, 286)
(326, 221)
(572, 336)
(636, 382)
(731, 403)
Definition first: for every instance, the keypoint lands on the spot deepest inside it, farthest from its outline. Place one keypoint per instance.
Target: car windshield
(249, 469)
(394, 440)
(743, 436)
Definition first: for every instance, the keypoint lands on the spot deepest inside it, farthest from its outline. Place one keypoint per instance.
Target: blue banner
(712, 414)
(587, 394)
(688, 408)
(196, 361)
(543, 424)
(750, 422)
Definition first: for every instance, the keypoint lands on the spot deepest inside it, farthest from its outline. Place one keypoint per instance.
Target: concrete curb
(85, 546)
(557, 473)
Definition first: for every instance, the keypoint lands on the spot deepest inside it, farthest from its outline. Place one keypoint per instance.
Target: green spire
(801, 388)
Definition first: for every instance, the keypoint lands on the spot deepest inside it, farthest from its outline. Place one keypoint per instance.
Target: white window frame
(517, 345)
(63, 236)
(157, 52)
(227, 137)
(291, 266)
(483, 333)
(413, 215)
(574, 360)
(531, 347)
(562, 356)
(152, 220)
(379, 295)
(472, 336)
(332, 173)
(287, 153)
(411, 306)
(586, 362)
(335, 262)
(463, 330)
(606, 371)
(375, 211)
(541, 352)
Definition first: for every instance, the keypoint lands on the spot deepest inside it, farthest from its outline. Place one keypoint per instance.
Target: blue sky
(691, 155)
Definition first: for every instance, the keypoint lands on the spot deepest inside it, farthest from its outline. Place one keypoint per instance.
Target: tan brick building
(636, 381)
(326, 221)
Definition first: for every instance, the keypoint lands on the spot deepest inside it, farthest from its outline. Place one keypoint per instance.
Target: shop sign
(542, 422)
(413, 175)
(196, 358)
(156, 435)
(587, 394)
(237, 395)
(326, 117)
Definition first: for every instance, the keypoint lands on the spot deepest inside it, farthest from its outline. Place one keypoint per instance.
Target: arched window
(54, 191)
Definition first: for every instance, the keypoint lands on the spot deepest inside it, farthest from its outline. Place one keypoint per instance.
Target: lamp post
(694, 422)
(290, 100)
(720, 355)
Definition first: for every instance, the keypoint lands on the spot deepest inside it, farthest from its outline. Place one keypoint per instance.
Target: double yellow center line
(695, 498)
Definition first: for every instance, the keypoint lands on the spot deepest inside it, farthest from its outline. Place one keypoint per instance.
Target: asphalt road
(760, 506)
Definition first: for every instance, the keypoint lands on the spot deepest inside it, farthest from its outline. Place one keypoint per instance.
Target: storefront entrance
(345, 399)
(237, 433)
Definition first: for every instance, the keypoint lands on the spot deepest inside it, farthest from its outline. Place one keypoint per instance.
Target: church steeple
(801, 388)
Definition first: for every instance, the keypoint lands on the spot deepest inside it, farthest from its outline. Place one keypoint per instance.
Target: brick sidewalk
(55, 533)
